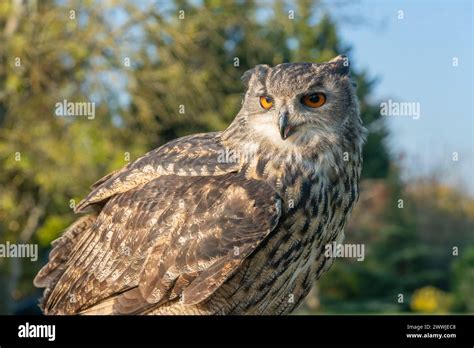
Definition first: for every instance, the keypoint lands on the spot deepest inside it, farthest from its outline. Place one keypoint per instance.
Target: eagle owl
(231, 222)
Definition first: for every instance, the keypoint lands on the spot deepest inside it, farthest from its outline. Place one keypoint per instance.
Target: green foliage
(47, 160)
(463, 278)
(49, 230)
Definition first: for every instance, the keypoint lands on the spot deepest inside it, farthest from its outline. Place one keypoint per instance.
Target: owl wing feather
(62, 247)
(171, 238)
(194, 155)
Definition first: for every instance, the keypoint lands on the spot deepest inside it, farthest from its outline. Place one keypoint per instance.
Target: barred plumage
(188, 229)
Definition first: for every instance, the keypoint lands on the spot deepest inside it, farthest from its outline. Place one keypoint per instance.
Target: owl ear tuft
(259, 71)
(340, 64)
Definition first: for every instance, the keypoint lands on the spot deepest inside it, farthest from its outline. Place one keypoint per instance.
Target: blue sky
(413, 59)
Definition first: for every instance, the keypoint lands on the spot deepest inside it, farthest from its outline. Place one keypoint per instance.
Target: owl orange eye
(266, 102)
(314, 100)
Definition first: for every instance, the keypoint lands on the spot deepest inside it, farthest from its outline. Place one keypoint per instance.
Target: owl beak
(284, 125)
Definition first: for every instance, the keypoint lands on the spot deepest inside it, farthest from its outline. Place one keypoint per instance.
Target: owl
(231, 222)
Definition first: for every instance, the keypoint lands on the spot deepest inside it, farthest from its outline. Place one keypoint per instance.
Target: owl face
(298, 104)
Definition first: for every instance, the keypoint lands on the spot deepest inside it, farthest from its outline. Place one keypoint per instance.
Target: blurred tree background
(164, 69)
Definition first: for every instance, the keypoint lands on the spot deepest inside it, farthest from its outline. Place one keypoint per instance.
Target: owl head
(300, 105)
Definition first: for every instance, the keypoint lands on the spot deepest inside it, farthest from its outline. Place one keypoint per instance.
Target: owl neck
(287, 171)
(336, 158)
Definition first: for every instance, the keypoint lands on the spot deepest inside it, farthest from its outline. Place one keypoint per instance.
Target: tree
(50, 52)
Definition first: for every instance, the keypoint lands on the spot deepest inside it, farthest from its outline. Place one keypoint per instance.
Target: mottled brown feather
(172, 239)
(194, 155)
